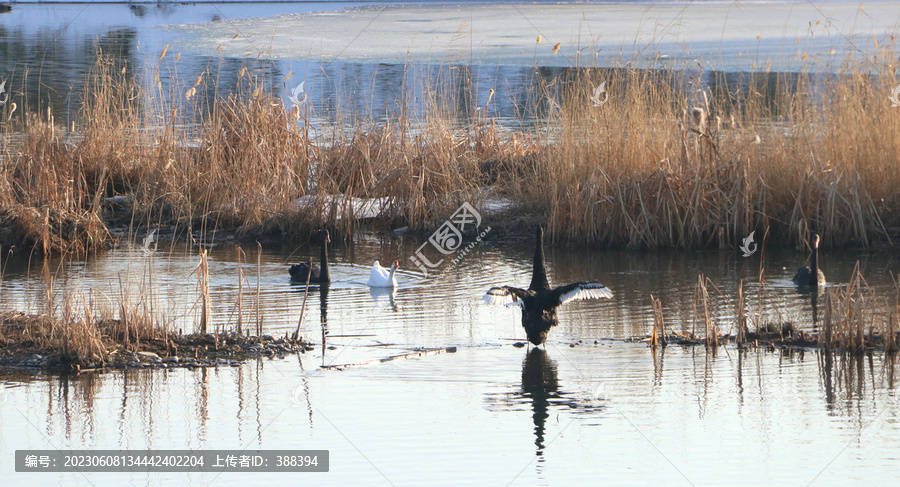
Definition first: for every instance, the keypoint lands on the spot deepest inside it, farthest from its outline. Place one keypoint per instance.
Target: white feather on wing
(502, 295)
(586, 290)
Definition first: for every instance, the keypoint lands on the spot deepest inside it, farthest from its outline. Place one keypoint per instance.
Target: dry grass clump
(74, 342)
(847, 318)
(654, 167)
(855, 319)
(47, 203)
(423, 176)
(250, 164)
(665, 159)
(67, 230)
(83, 328)
(94, 330)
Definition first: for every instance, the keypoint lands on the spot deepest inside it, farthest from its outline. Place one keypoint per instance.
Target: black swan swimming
(539, 301)
(812, 275)
(319, 273)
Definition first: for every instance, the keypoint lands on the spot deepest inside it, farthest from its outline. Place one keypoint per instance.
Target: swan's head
(816, 241)
(395, 265)
(324, 236)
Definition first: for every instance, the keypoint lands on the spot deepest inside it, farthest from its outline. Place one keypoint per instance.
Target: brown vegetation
(36, 341)
(848, 318)
(659, 164)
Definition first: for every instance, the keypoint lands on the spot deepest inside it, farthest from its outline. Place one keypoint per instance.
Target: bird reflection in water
(323, 308)
(540, 385)
(379, 294)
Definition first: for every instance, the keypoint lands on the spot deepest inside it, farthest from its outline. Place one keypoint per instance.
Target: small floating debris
(416, 354)
(121, 199)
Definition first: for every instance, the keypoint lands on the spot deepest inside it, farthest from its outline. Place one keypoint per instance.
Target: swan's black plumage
(811, 276)
(319, 273)
(539, 301)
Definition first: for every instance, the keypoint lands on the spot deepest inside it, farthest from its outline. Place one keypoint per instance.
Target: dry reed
(90, 330)
(661, 163)
(202, 272)
(305, 296)
(658, 336)
(855, 320)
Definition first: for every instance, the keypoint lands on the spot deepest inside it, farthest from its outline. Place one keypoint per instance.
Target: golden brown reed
(853, 319)
(645, 170)
(659, 164)
(856, 319)
(88, 329)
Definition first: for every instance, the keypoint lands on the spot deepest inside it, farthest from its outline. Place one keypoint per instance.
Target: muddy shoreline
(199, 350)
(196, 350)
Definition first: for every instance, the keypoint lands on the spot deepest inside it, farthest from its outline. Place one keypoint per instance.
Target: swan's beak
(397, 264)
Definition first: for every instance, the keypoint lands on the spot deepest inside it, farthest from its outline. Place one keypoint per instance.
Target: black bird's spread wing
(581, 290)
(505, 295)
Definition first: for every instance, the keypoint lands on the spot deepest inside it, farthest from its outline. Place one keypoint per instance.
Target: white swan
(381, 277)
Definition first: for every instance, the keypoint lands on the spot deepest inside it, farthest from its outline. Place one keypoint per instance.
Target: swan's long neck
(539, 273)
(323, 257)
(814, 263)
(391, 276)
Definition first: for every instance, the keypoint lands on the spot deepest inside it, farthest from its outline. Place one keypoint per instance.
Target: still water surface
(587, 407)
(47, 52)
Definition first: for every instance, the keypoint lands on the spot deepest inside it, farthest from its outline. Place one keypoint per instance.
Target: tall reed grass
(664, 162)
(848, 318)
(91, 329)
